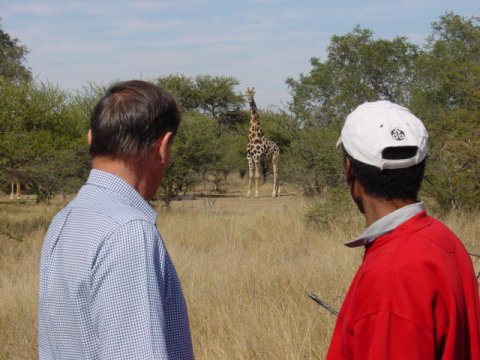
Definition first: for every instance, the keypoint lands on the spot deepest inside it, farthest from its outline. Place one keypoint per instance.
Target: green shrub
(334, 208)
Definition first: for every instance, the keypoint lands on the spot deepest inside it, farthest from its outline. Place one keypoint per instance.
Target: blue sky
(259, 42)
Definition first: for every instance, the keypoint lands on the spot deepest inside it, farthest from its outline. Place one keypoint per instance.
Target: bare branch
(322, 303)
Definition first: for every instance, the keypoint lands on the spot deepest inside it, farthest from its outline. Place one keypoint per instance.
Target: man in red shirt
(415, 295)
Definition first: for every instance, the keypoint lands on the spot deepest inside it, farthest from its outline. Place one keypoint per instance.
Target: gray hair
(130, 117)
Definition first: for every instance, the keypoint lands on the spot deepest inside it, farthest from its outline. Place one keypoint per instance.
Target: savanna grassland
(245, 266)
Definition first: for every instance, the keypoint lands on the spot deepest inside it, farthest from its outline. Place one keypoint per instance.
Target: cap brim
(339, 142)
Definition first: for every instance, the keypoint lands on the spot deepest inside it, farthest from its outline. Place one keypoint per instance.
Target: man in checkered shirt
(108, 288)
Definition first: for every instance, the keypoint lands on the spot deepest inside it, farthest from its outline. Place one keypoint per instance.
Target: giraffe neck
(255, 128)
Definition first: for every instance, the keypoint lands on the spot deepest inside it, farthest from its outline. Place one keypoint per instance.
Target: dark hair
(390, 183)
(130, 117)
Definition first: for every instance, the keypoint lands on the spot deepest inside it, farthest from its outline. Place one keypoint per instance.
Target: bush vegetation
(42, 128)
(245, 267)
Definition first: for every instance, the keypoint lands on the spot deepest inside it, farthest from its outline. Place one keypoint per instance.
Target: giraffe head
(250, 92)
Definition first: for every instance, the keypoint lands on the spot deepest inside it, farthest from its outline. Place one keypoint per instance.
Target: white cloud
(259, 42)
(153, 4)
(131, 26)
(33, 8)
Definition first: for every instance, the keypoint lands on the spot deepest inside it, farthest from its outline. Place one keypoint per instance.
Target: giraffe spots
(259, 148)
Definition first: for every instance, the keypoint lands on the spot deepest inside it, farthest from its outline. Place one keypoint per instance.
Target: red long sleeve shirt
(415, 296)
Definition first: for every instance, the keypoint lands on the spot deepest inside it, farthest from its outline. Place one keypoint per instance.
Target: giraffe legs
(253, 174)
(257, 176)
(254, 171)
(250, 175)
(15, 194)
(18, 190)
(275, 192)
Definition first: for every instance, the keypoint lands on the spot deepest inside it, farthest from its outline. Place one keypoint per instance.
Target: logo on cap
(398, 134)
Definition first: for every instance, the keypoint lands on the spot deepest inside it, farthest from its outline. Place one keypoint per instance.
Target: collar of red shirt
(387, 224)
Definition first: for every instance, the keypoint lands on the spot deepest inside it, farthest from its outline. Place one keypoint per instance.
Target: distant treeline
(43, 128)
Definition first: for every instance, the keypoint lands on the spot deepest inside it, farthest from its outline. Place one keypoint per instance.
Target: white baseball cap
(375, 126)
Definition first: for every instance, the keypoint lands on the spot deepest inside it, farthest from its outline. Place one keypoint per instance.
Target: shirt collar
(387, 223)
(122, 188)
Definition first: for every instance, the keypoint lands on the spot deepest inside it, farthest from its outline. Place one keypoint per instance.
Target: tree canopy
(12, 58)
(211, 95)
(42, 128)
(440, 83)
(358, 68)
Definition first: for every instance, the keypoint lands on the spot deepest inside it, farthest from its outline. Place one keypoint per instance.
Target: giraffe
(15, 194)
(259, 149)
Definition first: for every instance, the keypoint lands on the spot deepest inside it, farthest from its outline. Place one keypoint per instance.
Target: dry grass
(245, 266)
(19, 259)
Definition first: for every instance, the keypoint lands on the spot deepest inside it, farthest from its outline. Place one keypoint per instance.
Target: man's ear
(89, 137)
(163, 143)
(354, 186)
(349, 173)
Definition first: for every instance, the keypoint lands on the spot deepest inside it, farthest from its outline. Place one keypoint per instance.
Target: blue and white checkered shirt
(108, 288)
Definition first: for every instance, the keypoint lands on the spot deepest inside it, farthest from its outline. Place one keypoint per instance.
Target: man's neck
(123, 170)
(376, 208)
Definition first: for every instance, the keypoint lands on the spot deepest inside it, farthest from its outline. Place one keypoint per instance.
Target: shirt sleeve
(127, 305)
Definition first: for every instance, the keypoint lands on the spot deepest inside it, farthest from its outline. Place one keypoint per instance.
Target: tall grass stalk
(245, 267)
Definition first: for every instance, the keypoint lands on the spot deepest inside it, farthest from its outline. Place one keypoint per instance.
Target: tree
(447, 98)
(211, 95)
(12, 58)
(440, 83)
(183, 88)
(312, 160)
(358, 69)
(217, 97)
(196, 152)
(42, 139)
